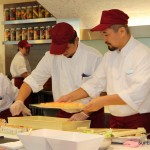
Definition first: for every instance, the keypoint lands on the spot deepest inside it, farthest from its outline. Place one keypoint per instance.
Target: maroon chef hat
(24, 43)
(111, 17)
(61, 35)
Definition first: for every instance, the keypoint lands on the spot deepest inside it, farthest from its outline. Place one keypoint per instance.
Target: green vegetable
(89, 131)
(108, 133)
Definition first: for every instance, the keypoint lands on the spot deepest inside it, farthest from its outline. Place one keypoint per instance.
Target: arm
(8, 92)
(73, 96)
(96, 104)
(33, 82)
(24, 92)
(99, 102)
(40, 74)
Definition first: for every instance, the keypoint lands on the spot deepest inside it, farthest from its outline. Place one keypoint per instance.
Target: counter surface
(111, 147)
(146, 146)
(121, 147)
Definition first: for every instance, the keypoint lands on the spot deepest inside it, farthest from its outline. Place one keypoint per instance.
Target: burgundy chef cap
(24, 43)
(61, 34)
(111, 17)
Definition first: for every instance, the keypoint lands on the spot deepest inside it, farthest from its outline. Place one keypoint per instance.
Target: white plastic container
(47, 139)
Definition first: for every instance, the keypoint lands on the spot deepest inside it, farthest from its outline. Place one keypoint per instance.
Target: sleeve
(139, 90)
(11, 90)
(95, 58)
(98, 61)
(97, 83)
(8, 91)
(40, 74)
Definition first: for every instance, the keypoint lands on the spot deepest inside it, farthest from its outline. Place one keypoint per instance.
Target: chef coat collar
(75, 56)
(125, 50)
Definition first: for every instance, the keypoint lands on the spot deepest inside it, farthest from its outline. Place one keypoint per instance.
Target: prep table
(114, 147)
(111, 147)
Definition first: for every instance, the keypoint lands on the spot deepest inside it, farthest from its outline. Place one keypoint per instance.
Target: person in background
(70, 64)
(20, 67)
(8, 93)
(124, 73)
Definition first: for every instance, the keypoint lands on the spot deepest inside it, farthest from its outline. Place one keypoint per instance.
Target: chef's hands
(94, 105)
(17, 107)
(26, 111)
(64, 98)
(79, 116)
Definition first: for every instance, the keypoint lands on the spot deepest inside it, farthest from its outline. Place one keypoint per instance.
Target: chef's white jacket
(67, 73)
(126, 73)
(19, 65)
(8, 92)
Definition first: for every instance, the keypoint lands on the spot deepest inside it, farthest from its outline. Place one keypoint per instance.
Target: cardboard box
(43, 122)
(47, 139)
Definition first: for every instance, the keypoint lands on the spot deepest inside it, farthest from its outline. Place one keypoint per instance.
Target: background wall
(102, 47)
(37, 50)
(98, 44)
(36, 53)
(72, 11)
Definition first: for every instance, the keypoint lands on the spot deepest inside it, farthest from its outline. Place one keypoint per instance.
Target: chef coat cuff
(125, 97)
(32, 83)
(89, 90)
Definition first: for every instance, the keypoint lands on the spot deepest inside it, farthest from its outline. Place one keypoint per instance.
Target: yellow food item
(114, 132)
(12, 129)
(2, 121)
(137, 131)
(63, 105)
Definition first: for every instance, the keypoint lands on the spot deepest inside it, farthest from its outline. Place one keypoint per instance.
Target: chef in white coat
(8, 93)
(69, 63)
(20, 66)
(124, 72)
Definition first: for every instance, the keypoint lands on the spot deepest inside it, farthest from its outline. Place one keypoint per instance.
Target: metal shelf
(29, 41)
(29, 21)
